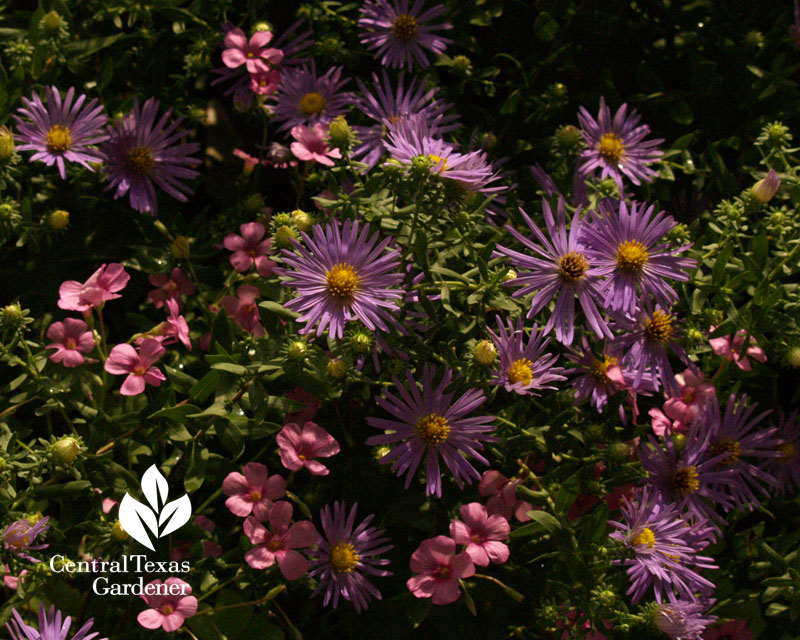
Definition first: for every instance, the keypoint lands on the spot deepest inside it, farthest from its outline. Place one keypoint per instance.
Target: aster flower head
(143, 149)
(347, 554)
(623, 242)
(556, 266)
(399, 31)
(786, 467)
(342, 274)
(306, 98)
(523, 368)
(617, 147)
(51, 627)
(430, 424)
(70, 340)
(439, 568)
(280, 541)
(168, 611)
(387, 105)
(683, 619)
(20, 536)
(663, 556)
(65, 130)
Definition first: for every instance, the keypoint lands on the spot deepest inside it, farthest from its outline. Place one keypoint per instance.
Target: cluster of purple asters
(136, 151)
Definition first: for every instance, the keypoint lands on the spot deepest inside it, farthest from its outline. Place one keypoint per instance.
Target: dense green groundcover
(716, 80)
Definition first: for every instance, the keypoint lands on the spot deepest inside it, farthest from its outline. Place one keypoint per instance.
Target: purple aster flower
(64, 130)
(20, 535)
(747, 450)
(683, 620)
(410, 138)
(624, 246)
(523, 368)
(388, 106)
(345, 554)
(50, 627)
(558, 267)
(617, 147)
(342, 275)
(663, 557)
(141, 151)
(432, 425)
(786, 467)
(304, 98)
(647, 335)
(399, 31)
(690, 478)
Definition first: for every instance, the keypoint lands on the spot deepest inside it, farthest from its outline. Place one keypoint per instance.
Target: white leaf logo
(160, 515)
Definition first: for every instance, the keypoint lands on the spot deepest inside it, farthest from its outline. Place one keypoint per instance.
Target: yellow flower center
(788, 451)
(21, 543)
(572, 266)
(71, 344)
(659, 327)
(443, 573)
(255, 495)
(312, 103)
(274, 544)
(684, 481)
(599, 369)
(167, 609)
(342, 281)
(58, 139)
(433, 429)
(139, 371)
(250, 54)
(645, 536)
(439, 161)
(611, 147)
(140, 160)
(727, 446)
(404, 27)
(343, 557)
(520, 371)
(631, 256)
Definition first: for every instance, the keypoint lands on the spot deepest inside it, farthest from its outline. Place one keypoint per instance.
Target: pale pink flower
(310, 144)
(169, 287)
(108, 504)
(249, 249)
(482, 534)
(439, 568)
(252, 491)
(265, 83)
(12, 582)
(168, 611)
(661, 423)
(70, 340)
(299, 447)
(730, 348)
(124, 359)
(101, 286)
(694, 394)
(244, 310)
(279, 544)
(503, 494)
(253, 54)
(175, 327)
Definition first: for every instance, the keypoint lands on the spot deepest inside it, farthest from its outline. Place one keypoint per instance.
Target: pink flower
(211, 549)
(299, 447)
(124, 359)
(694, 394)
(265, 83)
(250, 162)
(245, 310)
(175, 327)
(101, 286)
(731, 630)
(731, 349)
(310, 144)
(249, 249)
(12, 582)
(108, 504)
(439, 569)
(70, 340)
(170, 287)
(503, 494)
(254, 54)
(206, 524)
(171, 603)
(280, 544)
(482, 534)
(252, 492)
(661, 423)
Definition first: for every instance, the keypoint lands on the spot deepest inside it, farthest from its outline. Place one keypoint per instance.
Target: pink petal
(122, 359)
(234, 483)
(252, 232)
(187, 606)
(316, 468)
(260, 39)
(133, 386)
(238, 506)
(447, 591)
(478, 554)
(280, 514)
(241, 261)
(256, 474)
(150, 618)
(461, 566)
(235, 39)
(293, 565)
(497, 551)
(259, 557)
(474, 514)
(459, 532)
(301, 535)
(422, 586)
(233, 242)
(491, 482)
(172, 622)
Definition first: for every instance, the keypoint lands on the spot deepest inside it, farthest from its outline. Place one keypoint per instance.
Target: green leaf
(232, 439)
(205, 386)
(545, 27)
(230, 367)
(177, 413)
(718, 270)
(221, 331)
(76, 486)
(278, 309)
(548, 521)
(761, 249)
(196, 469)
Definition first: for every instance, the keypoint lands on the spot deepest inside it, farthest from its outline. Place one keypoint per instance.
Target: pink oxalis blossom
(168, 611)
(252, 491)
(694, 394)
(71, 340)
(310, 145)
(250, 248)
(503, 498)
(101, 286)
(169, 287)
(244, 310)
(124, 359)
(299, 447)
(278, 543)
(482, 534)
(730, 348)
(254, 53)
(439, 568)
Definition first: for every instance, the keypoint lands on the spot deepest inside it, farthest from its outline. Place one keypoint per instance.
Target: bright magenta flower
(101, 286)
(244, 310)
(169, 287)
(310, 144)
(482, 534)
(299, 447)
(250, 249)
(730, 348)
(70, 340)
(279, 544)
(439, 569)
(124, 359)
(253, 54)
(169, 610)
(253, 491)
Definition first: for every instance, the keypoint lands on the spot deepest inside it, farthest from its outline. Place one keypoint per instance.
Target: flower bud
(462, 64)
(679, 440)
(695, 335)
(66, 450)
(254, 203)
(361, 342)
(302, 220)
(58, 219)
(3, 464)
(12, 316)
(619, 451)
(6, 144)
(764, 190)
(180, 247)
(485, 353)
(262, 25)
(793, 357)
(339, 132)
(283, 236)
(297, 350)
(161, 228)
(422, 165)
(118, 533)
(52, 22)
(568, 137)
(595, 431)
(510, 275)
(336, 368)
(380, 452)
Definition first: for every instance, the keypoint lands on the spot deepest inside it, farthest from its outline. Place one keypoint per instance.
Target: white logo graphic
(167, 517)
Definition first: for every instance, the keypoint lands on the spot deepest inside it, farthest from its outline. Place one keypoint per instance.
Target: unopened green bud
(284, 235)
(569, 137)
(777, 133)
(607, 597)
(462, 64)
(60, 562)
(302, 221)
(180, 247)
(695, 335)
(52, 22)
(485, 353)
(297, 350)
(255, 202)
(339, 132)
(3, 464)
(380, 452)
(510, 275)
(262, 25)
(361, 342)
(66, 450)
(422, 165)
(161, 228)
(58, 219)
(280, 219)
(6, 144)
(118, 533)
(12, 316)
(336, 368)
(619, 451)
(607, 188)
(793, 357)
(679, 440)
